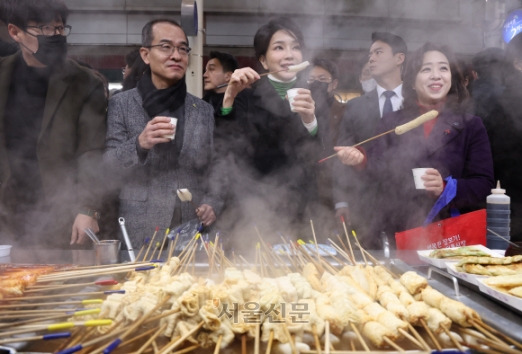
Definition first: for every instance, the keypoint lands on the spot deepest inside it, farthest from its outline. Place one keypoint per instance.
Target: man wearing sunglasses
(52, 123)
(160, 138)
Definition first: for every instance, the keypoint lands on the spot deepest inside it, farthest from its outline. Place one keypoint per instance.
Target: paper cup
(174, 122)
(107, 252)
(291, 95)
(417, 174)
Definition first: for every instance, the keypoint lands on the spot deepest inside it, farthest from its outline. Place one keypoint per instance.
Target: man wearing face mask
(368, 83)
(52, 114)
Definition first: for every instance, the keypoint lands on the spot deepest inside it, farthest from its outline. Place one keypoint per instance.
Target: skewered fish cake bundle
(455, 310)
(413, 282)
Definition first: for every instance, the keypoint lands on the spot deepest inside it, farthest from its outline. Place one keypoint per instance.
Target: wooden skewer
(268, 73)
(137, 338)
(135, 325)
(348, 239)
(256, 338)
(430, 334)
(108, 271)
(270, 342)
(170, 347)
(360, 247)
(34, 338)
(172, 246)
(487, 327)
(34, 304)
(411, 338)
(43, 297)
(316, 339)
(151, 242)
(315, 239)
(94, 270)
(56, 326)
(486, 332)
(326, 337)
(213, 257)
(33, 320)
(80, 336)
(480, 349)
(290, 339)
(362, 142)
(359, 336)
(187, 349)
(142, 249)
(165, 238)
(489, 342)
(149, 341)
(116, 330)
(393, 344)
(453, 339)
(218, 345)
(340, 250)
(401, 129)
(108, 282)
(419, 337)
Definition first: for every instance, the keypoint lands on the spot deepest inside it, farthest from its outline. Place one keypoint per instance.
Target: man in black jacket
(52, 116)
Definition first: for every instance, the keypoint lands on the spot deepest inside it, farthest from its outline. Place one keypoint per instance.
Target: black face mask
(52, 50)
(319, 91)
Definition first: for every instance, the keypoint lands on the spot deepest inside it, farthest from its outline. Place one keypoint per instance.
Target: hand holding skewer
(204, 212)
(353, 158)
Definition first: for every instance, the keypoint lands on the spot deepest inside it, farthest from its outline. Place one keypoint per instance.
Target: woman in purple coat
(454, 146)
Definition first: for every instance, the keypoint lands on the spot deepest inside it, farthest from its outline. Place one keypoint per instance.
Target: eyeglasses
(48, 30)
(324, 79)
(168, 49)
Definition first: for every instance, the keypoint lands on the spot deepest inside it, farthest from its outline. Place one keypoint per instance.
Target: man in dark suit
(218, 71)
(52, 122)
(156, 155)
(386, 59)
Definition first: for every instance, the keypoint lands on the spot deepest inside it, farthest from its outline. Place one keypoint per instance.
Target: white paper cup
(291, 95)
(174, 122)
(417, 174)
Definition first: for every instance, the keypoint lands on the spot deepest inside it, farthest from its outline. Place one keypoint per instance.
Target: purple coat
(457, 146)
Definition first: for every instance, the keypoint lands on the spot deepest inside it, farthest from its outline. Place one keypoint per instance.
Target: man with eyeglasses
(52, 116)
(158, 156)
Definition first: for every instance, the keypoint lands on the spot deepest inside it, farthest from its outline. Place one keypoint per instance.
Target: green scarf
(281, 87)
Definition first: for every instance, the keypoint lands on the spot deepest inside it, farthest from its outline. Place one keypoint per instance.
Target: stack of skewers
(288, 302)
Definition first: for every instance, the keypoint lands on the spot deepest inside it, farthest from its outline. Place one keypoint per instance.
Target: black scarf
(169, 100)
(159, 101)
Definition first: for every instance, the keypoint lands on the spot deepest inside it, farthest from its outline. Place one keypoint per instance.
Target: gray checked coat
(149, 184)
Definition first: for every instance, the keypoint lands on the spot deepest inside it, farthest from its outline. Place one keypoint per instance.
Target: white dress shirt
(396, 100)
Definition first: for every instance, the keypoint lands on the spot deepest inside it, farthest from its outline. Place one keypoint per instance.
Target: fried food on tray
(491, 260)
(457, 252)
(14, 279)
(491, 270)
(506, 281)
(517, 291)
